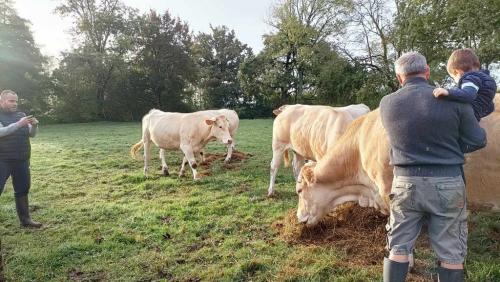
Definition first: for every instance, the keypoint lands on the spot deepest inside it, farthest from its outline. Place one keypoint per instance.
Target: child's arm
(467, 91)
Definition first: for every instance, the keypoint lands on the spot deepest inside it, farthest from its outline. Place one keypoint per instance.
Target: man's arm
(7, 130)
(33, 127)
(472, 136)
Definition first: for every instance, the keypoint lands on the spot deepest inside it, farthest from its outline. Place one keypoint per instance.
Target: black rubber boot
(395, 271)
(450, 275)
(23, 212)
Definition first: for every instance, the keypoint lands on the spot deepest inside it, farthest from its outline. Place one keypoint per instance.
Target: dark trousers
(20, 171)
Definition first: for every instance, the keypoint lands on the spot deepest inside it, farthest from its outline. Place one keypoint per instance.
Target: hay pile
(357, 232)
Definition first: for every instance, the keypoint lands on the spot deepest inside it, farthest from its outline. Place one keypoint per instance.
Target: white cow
(189, 132)
(234, 123)
(309, 131)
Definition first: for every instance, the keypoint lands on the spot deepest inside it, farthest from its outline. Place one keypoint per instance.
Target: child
(475, 86)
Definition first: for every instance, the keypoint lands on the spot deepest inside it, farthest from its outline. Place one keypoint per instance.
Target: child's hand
(440, 92)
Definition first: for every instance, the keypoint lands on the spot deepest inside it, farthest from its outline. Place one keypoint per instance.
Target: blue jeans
(21, 179)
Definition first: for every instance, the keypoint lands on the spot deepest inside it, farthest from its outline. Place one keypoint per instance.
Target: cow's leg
(298, 163)
(278, 150)
(147, 145)
(189, 154)
(164, 167)
(229, 153)
(184, 161)
(202, 156)
(230, 149)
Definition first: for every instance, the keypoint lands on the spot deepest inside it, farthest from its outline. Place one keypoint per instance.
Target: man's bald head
(8, 101)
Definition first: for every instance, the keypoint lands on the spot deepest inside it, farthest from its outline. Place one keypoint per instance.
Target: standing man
(15, 131)
(428, 139)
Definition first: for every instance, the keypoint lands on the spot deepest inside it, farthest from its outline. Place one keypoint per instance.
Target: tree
(368, 43)
(21, 63)
(103, 28)
(301, 27)
(219, 55)
(435, 28)
(164, 59)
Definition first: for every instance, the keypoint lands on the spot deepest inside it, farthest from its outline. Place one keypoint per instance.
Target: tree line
(332, 52)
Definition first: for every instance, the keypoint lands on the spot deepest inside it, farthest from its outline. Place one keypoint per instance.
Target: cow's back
(310, 129)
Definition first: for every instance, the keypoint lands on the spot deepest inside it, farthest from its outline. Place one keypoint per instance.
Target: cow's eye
(299, 191)
(220, 127)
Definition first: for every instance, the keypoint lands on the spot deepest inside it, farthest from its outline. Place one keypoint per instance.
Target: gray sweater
(428, 136)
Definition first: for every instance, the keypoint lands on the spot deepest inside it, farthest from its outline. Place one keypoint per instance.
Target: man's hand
(34, 121)
(440, 92)
(24, 121)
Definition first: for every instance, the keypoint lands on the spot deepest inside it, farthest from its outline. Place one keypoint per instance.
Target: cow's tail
(136, 147)
(286, 158)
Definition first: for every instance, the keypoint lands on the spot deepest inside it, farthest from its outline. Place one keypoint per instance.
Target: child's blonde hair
(464, 60)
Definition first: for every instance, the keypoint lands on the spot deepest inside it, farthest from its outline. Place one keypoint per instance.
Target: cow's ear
(308, 173)
(279, 110)
(210, 121)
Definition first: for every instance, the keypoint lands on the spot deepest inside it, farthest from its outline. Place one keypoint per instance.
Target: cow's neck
(341, 166)
(208, 137)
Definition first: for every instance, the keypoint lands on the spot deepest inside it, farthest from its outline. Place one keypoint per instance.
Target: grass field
(105, 222)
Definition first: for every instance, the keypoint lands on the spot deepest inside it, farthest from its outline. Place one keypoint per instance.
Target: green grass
(105, 221)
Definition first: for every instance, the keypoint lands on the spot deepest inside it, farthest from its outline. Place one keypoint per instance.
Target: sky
(247, 18)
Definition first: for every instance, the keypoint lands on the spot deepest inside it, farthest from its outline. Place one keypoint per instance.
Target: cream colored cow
(189, 132)
(234, 123)
(309, 131)
(357, 169)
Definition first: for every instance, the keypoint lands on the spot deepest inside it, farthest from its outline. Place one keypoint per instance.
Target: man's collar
(415, 80)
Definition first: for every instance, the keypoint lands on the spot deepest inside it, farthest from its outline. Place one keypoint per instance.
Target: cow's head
(219, 129)
(317, 197)
(314, 198)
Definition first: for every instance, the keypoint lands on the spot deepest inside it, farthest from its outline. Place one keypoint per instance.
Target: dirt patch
(205, 167)
(78, 275)
(358, 232)
(235, 163)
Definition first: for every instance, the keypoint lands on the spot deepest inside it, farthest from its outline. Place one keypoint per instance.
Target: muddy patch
(236, 161)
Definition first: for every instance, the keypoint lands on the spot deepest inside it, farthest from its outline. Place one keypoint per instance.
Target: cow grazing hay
(359, 233)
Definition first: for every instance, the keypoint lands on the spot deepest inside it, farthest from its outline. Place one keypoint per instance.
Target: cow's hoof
(196, 178)
(227, 161)
(165, 172)
(270, 195)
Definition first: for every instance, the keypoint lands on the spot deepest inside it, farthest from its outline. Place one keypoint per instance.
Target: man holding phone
(15, 131)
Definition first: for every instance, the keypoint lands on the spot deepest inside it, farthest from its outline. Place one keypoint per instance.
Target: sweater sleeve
(467, 90)
(7, 130)
(33, 130)
(472, 136)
